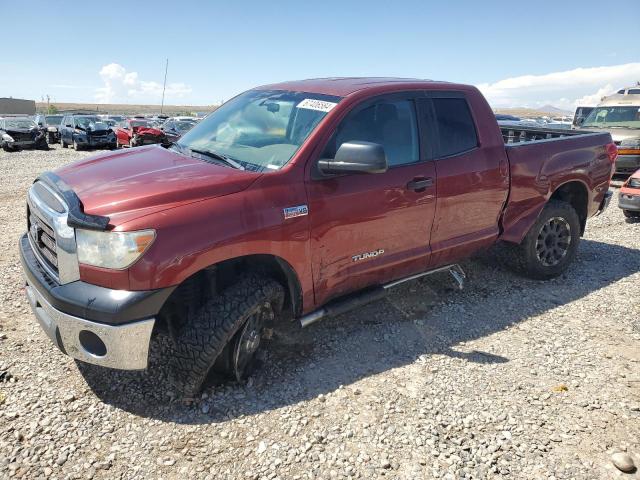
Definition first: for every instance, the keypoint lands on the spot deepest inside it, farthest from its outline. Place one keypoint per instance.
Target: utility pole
(164, 86)
(48, 105)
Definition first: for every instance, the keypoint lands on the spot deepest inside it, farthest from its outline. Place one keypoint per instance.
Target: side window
(456, 130)
(390, 123)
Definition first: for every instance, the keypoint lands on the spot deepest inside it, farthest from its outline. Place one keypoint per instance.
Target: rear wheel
(550, 245)
(631, 214)
(224, 334)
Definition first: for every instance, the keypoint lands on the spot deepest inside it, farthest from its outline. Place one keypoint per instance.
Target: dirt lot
(510, 378)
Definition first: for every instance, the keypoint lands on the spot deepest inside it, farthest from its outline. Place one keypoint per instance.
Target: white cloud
(568, 89)
(122, 86)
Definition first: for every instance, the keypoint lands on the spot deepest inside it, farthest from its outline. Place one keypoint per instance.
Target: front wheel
(76, 146)
(224, 332)
(550, 245)
(631, 214)
(63, 143)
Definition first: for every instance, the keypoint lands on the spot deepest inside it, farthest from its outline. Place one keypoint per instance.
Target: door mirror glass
(355, 157)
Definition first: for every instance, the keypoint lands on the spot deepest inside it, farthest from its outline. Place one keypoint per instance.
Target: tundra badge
(299, 211)
(365, 255)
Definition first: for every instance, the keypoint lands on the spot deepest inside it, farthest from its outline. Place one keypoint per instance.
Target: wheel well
(214, 279)
(575, 194)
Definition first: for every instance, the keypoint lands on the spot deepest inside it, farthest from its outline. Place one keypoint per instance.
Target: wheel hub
(554, 239)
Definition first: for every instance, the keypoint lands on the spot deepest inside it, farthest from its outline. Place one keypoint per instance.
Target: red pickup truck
(295, 201)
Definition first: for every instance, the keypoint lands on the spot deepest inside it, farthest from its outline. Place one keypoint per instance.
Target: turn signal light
(629, 151)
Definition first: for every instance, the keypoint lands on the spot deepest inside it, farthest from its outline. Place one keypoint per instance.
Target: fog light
(92, 343)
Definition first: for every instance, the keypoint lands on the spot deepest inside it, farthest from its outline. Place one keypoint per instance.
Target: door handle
(420, 184)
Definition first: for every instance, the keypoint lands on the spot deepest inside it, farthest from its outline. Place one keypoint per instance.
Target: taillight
(612, 152)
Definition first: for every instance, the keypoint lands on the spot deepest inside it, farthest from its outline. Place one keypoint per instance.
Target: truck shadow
(417, 320)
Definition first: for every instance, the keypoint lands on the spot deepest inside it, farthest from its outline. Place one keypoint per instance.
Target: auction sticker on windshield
(319, 105)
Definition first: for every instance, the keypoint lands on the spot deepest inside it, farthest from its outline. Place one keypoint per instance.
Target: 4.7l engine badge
(299, 211)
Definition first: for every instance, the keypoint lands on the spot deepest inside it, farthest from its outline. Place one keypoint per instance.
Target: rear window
(456, 130)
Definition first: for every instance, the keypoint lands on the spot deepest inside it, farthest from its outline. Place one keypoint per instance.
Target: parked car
(49, 124)
(85, 131)
(299, 200)
(174, 129)
(20, 132)
(619, 114)
(629, 196)
(136, 132)
(503, 118)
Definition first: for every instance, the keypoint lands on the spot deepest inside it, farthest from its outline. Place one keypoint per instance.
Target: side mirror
(356, 157)
(68, 125)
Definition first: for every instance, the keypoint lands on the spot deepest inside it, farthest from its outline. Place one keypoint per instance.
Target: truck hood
(131, 183)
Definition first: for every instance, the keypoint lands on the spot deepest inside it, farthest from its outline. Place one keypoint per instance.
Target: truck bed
(518, 133)
(543, 159)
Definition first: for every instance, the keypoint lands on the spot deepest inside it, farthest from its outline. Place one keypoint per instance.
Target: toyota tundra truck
(295, 201)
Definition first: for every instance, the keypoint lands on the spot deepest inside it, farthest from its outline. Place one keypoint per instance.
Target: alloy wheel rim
(553, 242)
(248, 342)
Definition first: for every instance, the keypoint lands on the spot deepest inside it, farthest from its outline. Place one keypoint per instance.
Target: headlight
(630, 142)
(77, 130)
(7, 138)
(52, 129)
(634, 183)
(115, 250)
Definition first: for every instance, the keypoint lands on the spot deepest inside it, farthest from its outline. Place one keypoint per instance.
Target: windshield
(19, 123)
(84, 122)
(260, 129)
(612, 117)
(53, 120)
(184, 126)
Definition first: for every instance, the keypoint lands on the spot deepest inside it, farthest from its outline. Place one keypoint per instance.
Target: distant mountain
(547, 110)
(552, 109)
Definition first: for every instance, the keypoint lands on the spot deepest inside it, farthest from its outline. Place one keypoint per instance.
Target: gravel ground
(510, 378)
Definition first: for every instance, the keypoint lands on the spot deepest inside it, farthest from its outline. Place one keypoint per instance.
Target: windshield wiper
(218, 156)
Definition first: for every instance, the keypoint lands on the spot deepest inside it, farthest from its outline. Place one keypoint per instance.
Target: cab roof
(343, 86)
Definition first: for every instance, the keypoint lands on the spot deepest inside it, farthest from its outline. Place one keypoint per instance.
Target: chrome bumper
(125, 347)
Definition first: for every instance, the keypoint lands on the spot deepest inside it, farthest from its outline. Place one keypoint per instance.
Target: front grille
(618, 142)
(44, 240)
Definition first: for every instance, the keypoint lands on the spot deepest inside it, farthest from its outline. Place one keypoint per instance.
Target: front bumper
(627, 163)
(629, 202)
(89, 141)
(110, 328)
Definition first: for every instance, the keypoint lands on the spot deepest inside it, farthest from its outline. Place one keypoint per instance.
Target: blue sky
(115, 51)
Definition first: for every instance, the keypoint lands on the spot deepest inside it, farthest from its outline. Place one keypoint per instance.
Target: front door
(368, 229)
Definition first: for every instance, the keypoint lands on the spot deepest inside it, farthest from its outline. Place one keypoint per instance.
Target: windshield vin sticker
(319, 105)
(292, 212)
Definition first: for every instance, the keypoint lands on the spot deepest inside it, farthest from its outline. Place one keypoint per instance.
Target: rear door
(473, 182)
(369, 229)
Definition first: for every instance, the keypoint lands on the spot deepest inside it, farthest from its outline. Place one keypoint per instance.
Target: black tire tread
(213, 325)
(518, 257)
